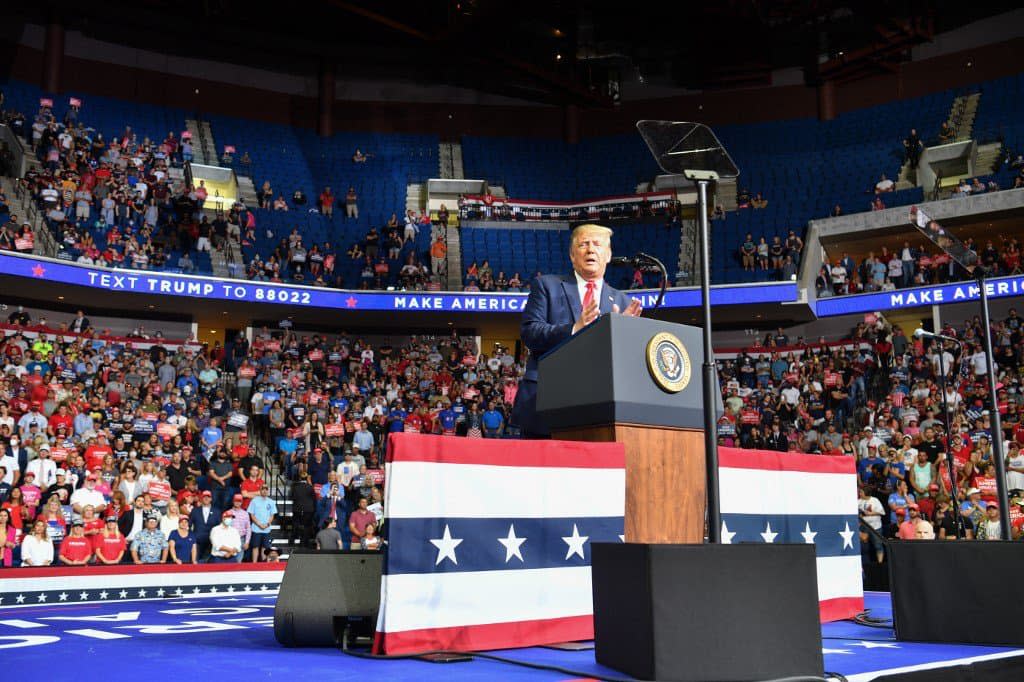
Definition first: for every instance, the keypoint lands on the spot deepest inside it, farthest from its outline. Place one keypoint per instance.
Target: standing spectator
(438, 254)
(76, 549)
(351, 203)
(493, 421)
(109, 544)
(37, 548)
(329, 538)
(360, 519)
(748, 252)
(203, 520)
(263, 511)
(913, 146)
(150, 545)
(182, 543)
(225, 542)
(327, 202)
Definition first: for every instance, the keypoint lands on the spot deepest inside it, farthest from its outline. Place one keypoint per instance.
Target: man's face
(590, 253)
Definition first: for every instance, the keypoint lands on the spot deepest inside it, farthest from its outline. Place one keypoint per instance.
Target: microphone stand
(664, 277)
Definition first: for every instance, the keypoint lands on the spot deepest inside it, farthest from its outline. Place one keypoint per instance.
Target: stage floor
(230, 637)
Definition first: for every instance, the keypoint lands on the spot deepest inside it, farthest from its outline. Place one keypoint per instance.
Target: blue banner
(171, 284)
(960, 292)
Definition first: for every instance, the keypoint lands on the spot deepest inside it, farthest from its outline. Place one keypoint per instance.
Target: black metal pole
(997, 422)
(710, 376)
(958, 521)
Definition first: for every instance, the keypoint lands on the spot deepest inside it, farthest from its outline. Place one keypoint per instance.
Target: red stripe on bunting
(736, 458)
(418, 447)
(484, 637)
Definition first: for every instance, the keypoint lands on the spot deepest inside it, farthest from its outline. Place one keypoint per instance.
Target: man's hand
(634, 309)
(589, 314)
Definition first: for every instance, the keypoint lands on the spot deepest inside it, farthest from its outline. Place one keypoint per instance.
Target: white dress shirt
(581, 286)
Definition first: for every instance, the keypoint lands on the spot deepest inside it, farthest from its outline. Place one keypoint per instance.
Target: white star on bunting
(178, 592)
(142, 593)
(727, 535)
(231, 588)
(575, 543)
(21, 599)
(808, 535)
(446, 545)
(768, 535)
(103, 594)
(847, 536)
(123, 594)
(263, 588)
(213, 589)
(160, 592)
(247, 588)
(82, 596)
(512, 544)
(63, 596)
(42, 597)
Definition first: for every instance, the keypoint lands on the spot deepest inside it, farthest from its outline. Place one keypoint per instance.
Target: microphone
(631, 261)
(918, 333)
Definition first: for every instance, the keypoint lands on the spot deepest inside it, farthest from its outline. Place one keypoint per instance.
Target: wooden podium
(638, 382)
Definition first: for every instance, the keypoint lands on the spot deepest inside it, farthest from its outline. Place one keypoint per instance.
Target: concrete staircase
(204, 148)
(962, 115)
(453, 259)
(988, 157)
(457, 172)
(449, 156)
(688, 265)
(45, 244)
(247, 191)
(415, 197)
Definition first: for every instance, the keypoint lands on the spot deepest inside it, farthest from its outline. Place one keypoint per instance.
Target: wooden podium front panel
(665, 480)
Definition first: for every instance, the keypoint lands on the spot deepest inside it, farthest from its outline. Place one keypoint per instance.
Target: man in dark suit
(560, 306)
(203, 519)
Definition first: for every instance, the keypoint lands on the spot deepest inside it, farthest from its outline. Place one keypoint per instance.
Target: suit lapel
(572, 297)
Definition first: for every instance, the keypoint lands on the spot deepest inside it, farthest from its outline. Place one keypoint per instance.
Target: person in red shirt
(251, 486)
(96, 452)
(327, 202)
(76, 549)
(61, 416)
(109, 544)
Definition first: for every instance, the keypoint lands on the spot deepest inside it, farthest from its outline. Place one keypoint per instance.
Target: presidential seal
(668, 362)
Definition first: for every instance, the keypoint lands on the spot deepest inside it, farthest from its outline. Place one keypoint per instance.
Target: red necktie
(588, 298)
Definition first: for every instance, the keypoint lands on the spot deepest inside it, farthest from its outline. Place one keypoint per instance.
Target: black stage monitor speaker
(319, 586)
(966, 592)
(707, 613)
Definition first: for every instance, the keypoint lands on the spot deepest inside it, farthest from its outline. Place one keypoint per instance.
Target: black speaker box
(707, 613)
(321, 586)
(964, 592)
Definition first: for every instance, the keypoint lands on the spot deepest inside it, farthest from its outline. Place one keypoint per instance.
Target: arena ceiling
(546, 51)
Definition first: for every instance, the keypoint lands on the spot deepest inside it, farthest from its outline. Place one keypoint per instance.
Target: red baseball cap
(238, 498)
(227, 515)
(207, 493)
(913, 505)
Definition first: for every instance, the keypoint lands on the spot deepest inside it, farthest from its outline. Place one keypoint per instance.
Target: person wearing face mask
(559, 307)
(225, 542)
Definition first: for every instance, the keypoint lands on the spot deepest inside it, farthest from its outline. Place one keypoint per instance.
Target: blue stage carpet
(230, 637)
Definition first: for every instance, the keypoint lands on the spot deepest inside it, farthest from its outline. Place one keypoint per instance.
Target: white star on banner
(82, 596)
(231, 588)
(512, 544)
(103, 594)
(575, 543)
(213, 589)
(263, 588)
(63, 596)
(42, 597)
(727, 535)
(446, 545)
(807, 534)
(768, 535)
(177, 592)
(123, 594)
(247, 588)
(847, 536)
(21, 599)
(142, 593)
(160, 592)
(195, 590)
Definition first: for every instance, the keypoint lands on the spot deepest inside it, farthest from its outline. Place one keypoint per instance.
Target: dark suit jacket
(200, 528)
(551, 311)
(125, 523)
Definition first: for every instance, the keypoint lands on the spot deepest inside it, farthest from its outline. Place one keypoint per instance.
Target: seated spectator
(280, 204)
(946, 133)
(884, 184)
